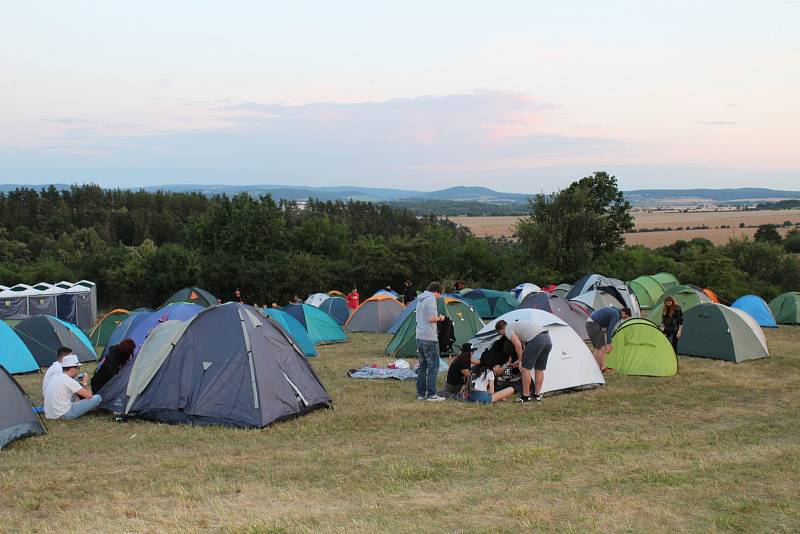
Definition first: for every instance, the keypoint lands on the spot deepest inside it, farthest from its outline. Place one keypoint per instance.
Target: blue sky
(518, 96)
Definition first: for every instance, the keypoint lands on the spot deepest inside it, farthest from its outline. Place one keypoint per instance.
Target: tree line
(139, 247)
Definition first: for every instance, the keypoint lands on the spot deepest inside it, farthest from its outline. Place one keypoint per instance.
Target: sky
(521, 96)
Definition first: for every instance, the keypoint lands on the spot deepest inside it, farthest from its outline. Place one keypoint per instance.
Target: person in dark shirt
(600, 326)
(672, 321)
(117, 357)
(458, 372)
(409, 293)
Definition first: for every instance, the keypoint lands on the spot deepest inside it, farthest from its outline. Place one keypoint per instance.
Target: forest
(141, 246)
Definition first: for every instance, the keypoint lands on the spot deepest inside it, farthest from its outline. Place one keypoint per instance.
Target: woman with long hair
(483, 390)
(672, 321)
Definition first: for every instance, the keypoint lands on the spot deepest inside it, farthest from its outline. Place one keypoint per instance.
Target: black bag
(445, 331)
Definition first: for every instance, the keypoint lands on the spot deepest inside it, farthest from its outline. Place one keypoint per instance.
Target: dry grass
(716, 448)
(504, 226)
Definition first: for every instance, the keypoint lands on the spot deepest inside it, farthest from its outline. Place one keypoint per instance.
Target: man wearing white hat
(58, 403)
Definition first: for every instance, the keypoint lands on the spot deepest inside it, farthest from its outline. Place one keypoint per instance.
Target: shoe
(523, 399)
(537, 398)
(420, 397)
(436, 398)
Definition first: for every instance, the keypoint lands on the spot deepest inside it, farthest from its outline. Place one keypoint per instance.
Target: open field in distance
(503, 226)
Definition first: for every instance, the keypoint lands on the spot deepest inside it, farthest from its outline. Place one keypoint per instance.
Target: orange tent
(711, 295)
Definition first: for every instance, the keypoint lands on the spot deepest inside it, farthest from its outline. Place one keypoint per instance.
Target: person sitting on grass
(459, 371)
(55, 368)
(58, 403)
(117, 357)
(483, 391)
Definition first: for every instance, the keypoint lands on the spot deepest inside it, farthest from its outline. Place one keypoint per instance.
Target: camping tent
(177, 311)
(640, 348)
(295, 330)
(710, 294)
(45, 334)
(376, 314)
(489, 303)
(194, 295)
(716, 331)
(321, 327)
(570, 364)
(595, 299)
(616, 288)
(756, 308)
(685, 296)
(337, 308)
(647, 290)
(14, 302)
(570, 312)
(786, 308)
(562, 289)
(229, 365)
(667, 280)
(102, 331)
(15, 357)
(316, 299)
(465, 324)
(17, 419)
(525, 289)
(335, 293)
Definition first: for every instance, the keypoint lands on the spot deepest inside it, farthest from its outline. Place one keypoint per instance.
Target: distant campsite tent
(570, 312)
(316, 299)
(44, 335)
(295, 330)
(465, 324)
(756, 308)
(786, 308)
(177, 311)
(525, 289)
(667, 280)
(562, 290)
(596, 298)
(647, 290)
(640, 348)
(102, 331)
(15, 357)
(489, 303)
(616, 288)
(686, 297)
(411, 307)
(337, 308)
(17, 419)
(229, 365)
(716, 331)
(710, 294)
(376, 314)
(321, 327)
(335, 293)
(389, 292)
(570, 364)
(194, 295)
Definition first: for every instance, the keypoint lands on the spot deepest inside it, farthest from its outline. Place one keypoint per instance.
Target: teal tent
(321, 327)
(294, 329)
(15, 356)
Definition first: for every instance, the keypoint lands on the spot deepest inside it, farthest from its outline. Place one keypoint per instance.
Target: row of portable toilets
(74, 303)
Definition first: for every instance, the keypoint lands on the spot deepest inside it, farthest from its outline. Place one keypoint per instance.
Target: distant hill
(711, 195)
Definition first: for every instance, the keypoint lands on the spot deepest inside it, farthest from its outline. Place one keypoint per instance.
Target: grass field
(504, 226)
(714, 449)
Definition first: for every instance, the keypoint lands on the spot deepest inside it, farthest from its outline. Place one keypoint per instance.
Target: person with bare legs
(532, 344)
(600, 326)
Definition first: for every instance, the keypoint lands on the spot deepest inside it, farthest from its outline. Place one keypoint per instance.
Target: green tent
(717, 331)
(193, 295)
(102, 331)
(465, 323)
(786, 308)
(647, 290)
(667, 280)
(641, 349)
(488, 303)
(687, 298)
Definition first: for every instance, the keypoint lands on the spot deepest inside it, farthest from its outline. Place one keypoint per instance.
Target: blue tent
(321, 327)
(337, 308)
(294, 329)
(178, 311)
(14, 354)
(391, 292)
(756, 308)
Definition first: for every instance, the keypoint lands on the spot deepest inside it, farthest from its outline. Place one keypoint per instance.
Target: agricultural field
(714, 449)
(503, 226)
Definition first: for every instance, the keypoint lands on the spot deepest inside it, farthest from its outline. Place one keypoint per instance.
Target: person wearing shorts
(600, 327)
(532, 344)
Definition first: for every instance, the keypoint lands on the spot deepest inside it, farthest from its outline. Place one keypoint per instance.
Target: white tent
(525, 289)
(754, 326)
(596, 299)
(316, 299)
(570, 364)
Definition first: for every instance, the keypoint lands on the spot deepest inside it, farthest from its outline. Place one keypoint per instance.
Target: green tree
(767, 233)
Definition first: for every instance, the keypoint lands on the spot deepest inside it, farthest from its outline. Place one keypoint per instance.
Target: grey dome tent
(716, 331)
(230, 365)
(43, 335)
(570, 312)
(17, 419)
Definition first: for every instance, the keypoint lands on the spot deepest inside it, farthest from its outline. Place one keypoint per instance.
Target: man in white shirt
(532, 344)
(55, 368)
(58, 395)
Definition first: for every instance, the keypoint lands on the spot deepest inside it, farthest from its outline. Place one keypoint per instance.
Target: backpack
(445, 331)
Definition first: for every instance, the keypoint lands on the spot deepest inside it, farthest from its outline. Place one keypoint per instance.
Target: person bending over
(600, 326)
(532, 344)
(117, 357)
(58, 398)
(459, 371)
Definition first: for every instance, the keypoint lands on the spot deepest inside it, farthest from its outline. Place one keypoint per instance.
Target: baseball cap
(70, 360)
(467, 347)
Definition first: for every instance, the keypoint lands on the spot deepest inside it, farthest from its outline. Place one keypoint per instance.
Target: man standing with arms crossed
(532, 344)
(428, 342)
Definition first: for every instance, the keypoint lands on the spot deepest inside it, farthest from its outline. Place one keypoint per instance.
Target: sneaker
(523, 399)
(419, 397)
(537, 398)
(436, 398)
